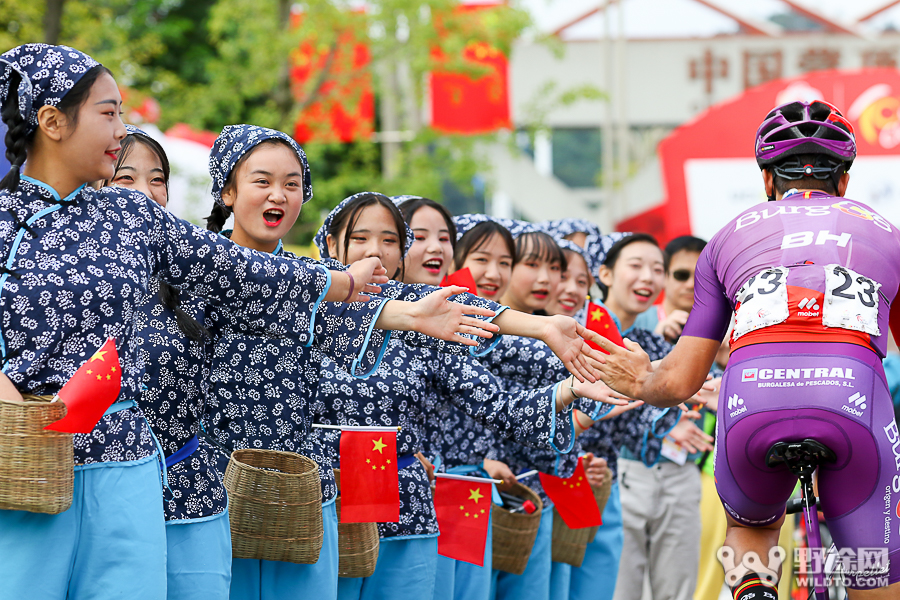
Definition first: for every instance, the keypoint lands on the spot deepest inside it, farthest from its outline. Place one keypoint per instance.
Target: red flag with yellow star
(600, 321)
(370, 488)
(573, 498)
(91, 390)
(463, 510)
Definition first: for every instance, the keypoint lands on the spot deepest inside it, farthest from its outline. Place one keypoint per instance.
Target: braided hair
(217, 218)
(17, 138)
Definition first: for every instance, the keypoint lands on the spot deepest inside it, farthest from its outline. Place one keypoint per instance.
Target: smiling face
(429, 257)
(573, 287)
(266, 196)
(635, 281)
(535, 276)
(142, 170)
(374, 233)
(90, 144)
(491, 266)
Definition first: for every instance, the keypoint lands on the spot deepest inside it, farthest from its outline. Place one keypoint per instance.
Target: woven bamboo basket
(37, 467)
(569, 545)
(275, 506)
(358, 544)
(514, 533)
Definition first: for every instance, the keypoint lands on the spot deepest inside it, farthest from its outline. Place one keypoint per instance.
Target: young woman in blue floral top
(370, 225)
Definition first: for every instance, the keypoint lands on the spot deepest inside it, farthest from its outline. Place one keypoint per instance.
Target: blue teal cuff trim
(117, 406)
(354, 368)
(487, 346)
(600, 411)
(567, 421)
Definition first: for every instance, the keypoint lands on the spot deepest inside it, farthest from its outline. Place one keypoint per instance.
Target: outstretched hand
(435, 316)
(565, 337)
(623, 369)
(368, 275)
(600, 392)
(690, 437)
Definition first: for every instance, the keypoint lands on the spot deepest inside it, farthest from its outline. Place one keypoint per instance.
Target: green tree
(214, 62)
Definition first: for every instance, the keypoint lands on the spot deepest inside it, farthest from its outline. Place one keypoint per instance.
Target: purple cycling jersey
(804, 232)
(808, 268)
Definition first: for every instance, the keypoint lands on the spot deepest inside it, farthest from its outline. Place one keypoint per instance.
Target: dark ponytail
(170, 297)
(16, 133)
(216, 219)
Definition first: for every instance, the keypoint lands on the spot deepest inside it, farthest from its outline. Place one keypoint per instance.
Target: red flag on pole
(370, 488)
(462, 278)
(600, 321)
(573, 498)
(463, 510)
(91, 390)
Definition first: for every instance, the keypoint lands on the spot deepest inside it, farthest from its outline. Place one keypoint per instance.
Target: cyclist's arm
(683, 371)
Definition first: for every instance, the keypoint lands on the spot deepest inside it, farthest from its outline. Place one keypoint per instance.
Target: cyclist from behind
(811, 280)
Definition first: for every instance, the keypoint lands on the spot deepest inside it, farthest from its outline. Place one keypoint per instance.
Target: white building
(661, 62)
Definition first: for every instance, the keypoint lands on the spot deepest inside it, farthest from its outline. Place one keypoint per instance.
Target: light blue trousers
(596, 578)
(111, 543)
(560, 580)
(458, 580)
(276, 580)
(534, 583)
(405, 571)
(198, 565)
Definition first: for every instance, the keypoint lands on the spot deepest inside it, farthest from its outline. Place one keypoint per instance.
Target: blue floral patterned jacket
(75, 268)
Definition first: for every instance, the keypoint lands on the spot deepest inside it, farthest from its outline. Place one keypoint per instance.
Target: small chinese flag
(91, 390)
(462, 278)
(370, 488)
(463, 510)
(599, 321)
(573, 498)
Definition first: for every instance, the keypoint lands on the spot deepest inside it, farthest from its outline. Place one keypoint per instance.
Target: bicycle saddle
(799, 456)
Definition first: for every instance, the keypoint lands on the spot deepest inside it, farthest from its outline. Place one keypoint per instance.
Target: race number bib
(851, 300)
(762, 301)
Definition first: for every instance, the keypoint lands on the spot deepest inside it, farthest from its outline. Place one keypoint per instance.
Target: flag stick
(355, 427)
(468, 478)
(526, 474)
